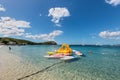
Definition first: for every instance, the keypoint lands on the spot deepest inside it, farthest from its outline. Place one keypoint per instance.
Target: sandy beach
(12, 67)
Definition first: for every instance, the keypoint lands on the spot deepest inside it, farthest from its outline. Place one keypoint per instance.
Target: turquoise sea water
(100, 63)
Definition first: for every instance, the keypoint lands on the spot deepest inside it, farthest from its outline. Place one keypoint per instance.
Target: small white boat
(67, 58)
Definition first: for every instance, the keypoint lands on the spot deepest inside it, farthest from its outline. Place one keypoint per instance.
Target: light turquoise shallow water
(102, 64)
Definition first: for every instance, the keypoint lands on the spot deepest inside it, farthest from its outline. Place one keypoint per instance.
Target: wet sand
(13, 67)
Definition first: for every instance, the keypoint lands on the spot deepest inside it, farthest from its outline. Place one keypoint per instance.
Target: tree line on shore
(14, 41)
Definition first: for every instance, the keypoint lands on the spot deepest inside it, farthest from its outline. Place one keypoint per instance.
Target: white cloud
(46, 37)
(2, 8)
(40, 14)
(11, 27)
(113, 2)
(110, 35)
(57, 14)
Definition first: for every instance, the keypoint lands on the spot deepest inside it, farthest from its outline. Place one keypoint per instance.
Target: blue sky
(65, 21)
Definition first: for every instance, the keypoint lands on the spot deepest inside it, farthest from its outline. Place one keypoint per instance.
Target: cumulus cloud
(113, 2)
(2, 8)
(46, 37)
(11, 27)
(110, 35)
(57, 14)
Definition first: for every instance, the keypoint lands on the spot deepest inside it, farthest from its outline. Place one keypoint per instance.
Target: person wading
(9, 48)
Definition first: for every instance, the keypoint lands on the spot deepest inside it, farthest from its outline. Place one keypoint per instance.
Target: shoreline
(21, 62)
(12, 67)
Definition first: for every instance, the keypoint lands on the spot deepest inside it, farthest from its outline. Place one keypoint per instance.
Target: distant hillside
(13, 41)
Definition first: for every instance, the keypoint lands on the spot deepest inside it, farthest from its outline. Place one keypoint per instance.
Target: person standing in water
(9, 48)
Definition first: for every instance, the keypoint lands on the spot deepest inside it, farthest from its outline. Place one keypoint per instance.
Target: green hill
(13, 41)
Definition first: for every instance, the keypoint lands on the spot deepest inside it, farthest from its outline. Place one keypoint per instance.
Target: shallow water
(100, 63)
